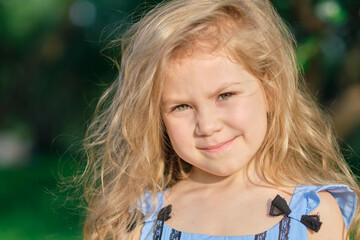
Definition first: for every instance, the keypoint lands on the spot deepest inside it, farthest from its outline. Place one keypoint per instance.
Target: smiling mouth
(218, 147)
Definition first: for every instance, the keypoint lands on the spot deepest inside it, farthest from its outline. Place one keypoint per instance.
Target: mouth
(218, 147)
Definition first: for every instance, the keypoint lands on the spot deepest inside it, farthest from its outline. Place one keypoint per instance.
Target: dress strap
(261, 236)
(164, 215)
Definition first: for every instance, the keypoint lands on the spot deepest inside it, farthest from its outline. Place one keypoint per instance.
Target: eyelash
(222, 96)
(179, 106)
(225, 96)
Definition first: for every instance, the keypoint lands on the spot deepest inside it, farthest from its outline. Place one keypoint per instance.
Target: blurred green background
(52, 74)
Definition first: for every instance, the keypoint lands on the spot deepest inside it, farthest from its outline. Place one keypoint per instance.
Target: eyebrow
(222, 88)
(210, 95)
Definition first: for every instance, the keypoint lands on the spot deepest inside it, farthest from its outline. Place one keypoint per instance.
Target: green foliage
(307, 50)
(31, 206)
(24, 19)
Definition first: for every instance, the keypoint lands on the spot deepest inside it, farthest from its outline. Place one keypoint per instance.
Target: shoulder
(335, 204)
(151, 204)
(333, 225)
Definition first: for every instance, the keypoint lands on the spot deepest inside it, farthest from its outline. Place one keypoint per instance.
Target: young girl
(209, 133)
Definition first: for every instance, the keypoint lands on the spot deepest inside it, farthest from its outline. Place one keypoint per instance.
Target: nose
(207, 123)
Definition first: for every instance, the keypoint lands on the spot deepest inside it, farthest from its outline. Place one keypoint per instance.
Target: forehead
(204, 73)
(197, 64)
(191, 59)
(204, 54)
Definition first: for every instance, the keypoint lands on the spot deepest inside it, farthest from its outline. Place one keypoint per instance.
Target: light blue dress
(303, 202)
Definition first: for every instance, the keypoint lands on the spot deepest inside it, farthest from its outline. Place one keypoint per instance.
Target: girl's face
(214, 112)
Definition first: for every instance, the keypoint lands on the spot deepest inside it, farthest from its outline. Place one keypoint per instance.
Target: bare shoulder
(333, 226)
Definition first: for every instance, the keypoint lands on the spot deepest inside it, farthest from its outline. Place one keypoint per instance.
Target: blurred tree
(51, 69)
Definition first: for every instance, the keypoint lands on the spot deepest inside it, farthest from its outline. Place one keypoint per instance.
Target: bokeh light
(331, 11)
(82, 13)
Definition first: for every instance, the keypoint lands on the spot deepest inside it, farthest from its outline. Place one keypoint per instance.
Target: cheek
(249, 116)
(179, 133)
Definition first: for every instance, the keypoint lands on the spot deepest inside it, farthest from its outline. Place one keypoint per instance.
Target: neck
(241, 179)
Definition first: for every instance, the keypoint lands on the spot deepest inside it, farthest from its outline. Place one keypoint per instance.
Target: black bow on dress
(279, 207)
(164, 213)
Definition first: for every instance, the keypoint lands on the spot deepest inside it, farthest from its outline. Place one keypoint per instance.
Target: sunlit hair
(127, 146)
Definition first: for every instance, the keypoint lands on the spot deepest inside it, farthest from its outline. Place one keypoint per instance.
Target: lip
(218, 147)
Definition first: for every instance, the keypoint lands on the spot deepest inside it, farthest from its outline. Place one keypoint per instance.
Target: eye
(224, 96)
(181, 107)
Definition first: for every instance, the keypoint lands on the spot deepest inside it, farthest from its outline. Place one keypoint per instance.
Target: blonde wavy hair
(127, 147)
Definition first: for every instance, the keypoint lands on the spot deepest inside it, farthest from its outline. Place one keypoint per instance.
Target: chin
(224, 172)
